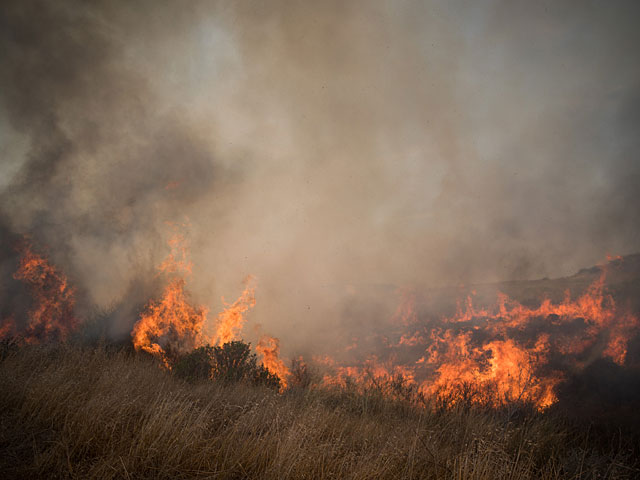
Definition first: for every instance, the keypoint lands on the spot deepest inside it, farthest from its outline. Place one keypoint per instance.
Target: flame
(231, 320)
(269, 348)
(505, 353)
(500, 365)
(512, 357)
(372, 373)
(596, 307)
(52, 316)
(171, 325)
(508, 352)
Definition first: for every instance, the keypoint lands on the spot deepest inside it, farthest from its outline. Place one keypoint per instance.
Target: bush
(196, 365)
(230, 363)
(264, 377)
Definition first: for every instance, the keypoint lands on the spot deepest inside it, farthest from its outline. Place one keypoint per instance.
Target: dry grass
(69, 412)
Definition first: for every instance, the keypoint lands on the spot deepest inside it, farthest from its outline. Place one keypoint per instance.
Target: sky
(321, 146)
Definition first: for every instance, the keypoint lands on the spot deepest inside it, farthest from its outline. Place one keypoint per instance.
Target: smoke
(94, 152)
(318, 145)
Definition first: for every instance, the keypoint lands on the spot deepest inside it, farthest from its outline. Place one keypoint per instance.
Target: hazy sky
(321, 143)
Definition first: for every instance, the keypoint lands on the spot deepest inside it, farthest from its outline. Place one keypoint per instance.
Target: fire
(502, 367)
(269, 348)
(388, 377)
(505, 353)
(509, 346)
(52, 316)
(595, 307)
(231, 320)
(170, 325)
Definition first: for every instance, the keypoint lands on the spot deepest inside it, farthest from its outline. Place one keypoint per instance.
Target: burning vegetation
(51, 316)
(476, 366)
(230, 321)
(502, 354)
(172, 327)
(269, 348)
(507, 353)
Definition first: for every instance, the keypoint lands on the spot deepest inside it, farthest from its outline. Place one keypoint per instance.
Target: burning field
(296, 239)
(484, 390)
(493, 355)
(505, 352)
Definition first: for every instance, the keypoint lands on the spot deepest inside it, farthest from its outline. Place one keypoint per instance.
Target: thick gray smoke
(319, 145)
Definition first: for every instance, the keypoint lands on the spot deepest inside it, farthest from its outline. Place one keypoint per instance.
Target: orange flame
(519, 369)
(231, 320)
(52, 316)
(505, 353)
(502, 365)
(269, 348)
(372, 372)
(171, 325)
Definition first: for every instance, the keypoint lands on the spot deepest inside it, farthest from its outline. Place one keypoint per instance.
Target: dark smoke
(91, 183)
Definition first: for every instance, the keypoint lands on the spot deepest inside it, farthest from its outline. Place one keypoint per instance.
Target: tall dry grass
(73, 412)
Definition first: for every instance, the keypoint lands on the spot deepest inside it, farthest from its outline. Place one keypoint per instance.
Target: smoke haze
(318, 145)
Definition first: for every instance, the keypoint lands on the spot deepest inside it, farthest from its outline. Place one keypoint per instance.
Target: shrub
(233, 362)
(230, 363)
(264, 377)
(195, 365)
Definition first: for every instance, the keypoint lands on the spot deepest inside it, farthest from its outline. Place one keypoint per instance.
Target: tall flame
(269, 348)
(231, 320)
(171, 325)
(52, 314)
